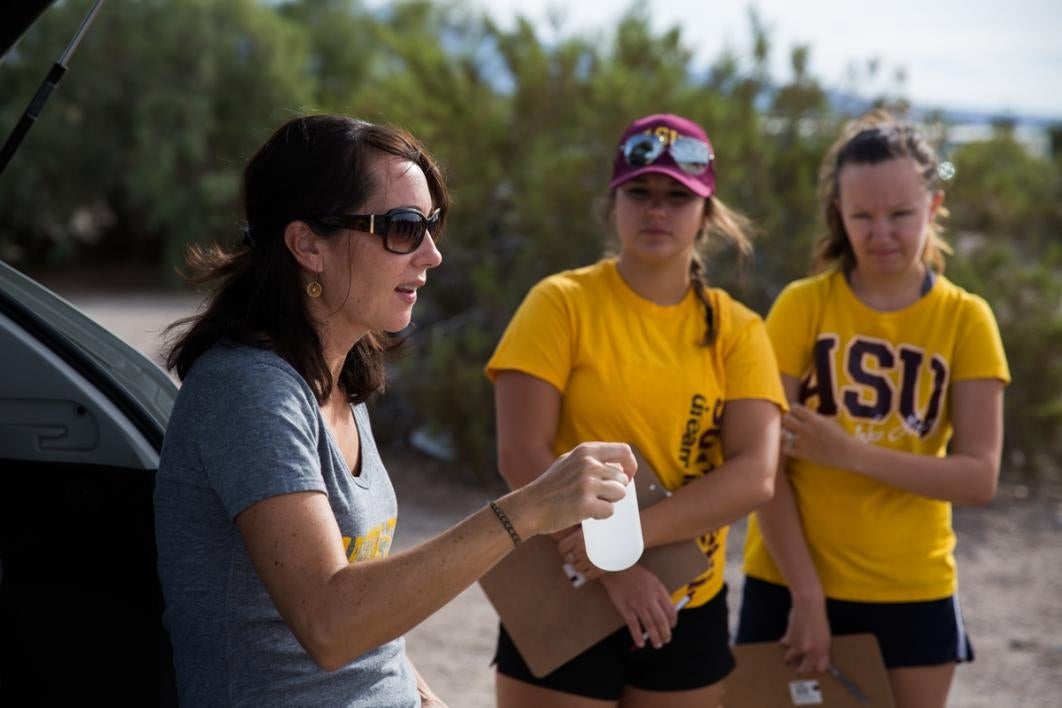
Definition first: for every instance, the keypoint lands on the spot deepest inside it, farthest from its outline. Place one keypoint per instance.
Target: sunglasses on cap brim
(690, 154)
(402, 230)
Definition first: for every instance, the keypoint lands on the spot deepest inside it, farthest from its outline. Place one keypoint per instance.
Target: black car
(82, 416)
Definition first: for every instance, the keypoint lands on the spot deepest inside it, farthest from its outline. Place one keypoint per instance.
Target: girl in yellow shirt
(640, 350)
(884, 362)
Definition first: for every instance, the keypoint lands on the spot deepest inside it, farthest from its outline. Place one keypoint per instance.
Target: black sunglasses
(402, 230)
(690, 154)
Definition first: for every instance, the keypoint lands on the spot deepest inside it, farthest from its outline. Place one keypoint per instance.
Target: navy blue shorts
(698, 655)
(909, 633)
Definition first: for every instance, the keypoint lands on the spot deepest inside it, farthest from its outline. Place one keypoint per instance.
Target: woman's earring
(313, 289)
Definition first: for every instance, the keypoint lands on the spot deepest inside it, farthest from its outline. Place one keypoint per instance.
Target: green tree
(1005, 215)
(139, 150)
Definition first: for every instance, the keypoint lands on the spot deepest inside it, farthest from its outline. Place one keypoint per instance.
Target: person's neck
(887, 293)
(664, 283)
(335, 350)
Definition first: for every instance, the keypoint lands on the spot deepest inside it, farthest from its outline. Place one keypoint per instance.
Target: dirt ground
(1009, 555)
(1010, 569)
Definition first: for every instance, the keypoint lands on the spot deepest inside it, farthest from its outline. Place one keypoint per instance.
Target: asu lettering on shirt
(881, 393)
(375, 544)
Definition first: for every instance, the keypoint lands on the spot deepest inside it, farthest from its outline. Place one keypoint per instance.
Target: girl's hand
(644, 602)
(807, 638)
(572, 549)
(807, 435)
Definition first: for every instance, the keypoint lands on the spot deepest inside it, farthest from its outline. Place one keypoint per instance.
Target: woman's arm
(339, 610)
(743, 482)
(808, 633)
(968, 475)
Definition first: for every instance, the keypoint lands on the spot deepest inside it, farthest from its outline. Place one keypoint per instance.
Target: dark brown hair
(871, 139)
(312, 165)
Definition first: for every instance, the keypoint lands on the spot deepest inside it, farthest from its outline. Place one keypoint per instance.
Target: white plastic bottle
(616, 543)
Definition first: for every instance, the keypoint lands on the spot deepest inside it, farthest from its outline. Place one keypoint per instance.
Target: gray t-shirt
(247, 427)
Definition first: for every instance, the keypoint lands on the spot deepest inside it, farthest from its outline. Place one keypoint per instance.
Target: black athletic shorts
(698, 655)
(909, 633)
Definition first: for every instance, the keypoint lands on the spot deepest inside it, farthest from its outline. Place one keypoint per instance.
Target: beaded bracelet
(506, 523)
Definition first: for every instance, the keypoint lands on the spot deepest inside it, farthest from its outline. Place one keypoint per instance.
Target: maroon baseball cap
(669, 145)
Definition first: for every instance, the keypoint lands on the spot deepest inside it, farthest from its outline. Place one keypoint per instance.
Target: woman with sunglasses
(274, 513)
(639, 348)
(895, 376)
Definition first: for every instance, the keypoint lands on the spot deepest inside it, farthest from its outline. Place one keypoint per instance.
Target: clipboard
(762, 678)
(550, 620)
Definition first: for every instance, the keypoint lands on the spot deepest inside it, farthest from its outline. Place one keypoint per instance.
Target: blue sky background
(1000, 57)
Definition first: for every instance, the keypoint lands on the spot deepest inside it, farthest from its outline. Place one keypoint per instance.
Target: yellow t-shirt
(885, 377)
(632, 371)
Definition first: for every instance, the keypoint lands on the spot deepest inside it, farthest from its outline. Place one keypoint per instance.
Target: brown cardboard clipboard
(549, 619)
(762, 678)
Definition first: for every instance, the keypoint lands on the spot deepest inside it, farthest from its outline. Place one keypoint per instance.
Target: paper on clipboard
(549, 619)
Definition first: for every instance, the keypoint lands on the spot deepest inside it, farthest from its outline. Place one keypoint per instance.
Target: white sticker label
(805, 693)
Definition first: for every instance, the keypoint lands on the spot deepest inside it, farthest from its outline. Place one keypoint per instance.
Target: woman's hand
(432, 701)
(428, 699)
(808, 435)
(580, 484)
(807, 638)
(644, 602)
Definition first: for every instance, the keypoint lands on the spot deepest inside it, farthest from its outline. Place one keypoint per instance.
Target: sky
(1000, 56)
